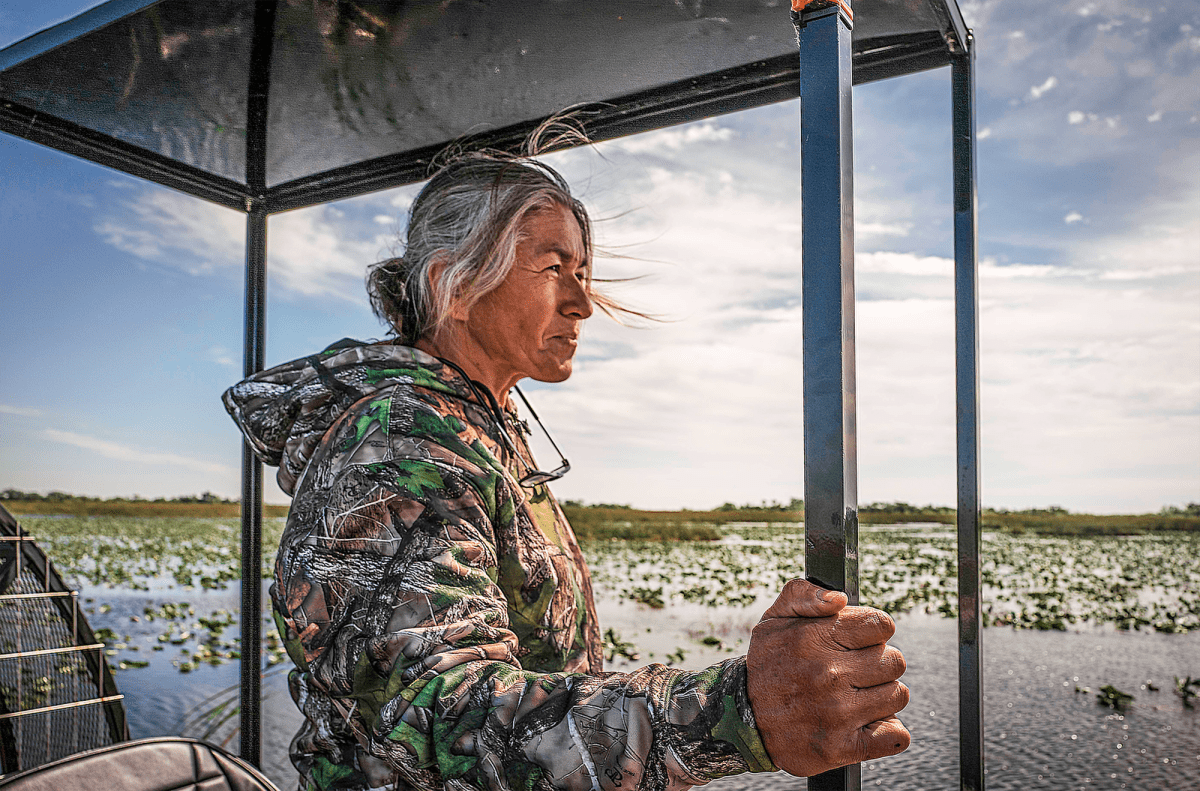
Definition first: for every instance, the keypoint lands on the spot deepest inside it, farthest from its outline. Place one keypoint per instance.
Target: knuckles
(893, 662)
(802, 673)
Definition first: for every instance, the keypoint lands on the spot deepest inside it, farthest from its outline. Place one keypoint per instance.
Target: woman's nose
(578, 301)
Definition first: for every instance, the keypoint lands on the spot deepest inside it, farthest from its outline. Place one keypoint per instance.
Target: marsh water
(1120, 612)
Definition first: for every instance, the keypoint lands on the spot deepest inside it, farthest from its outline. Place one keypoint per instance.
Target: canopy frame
(827, 308)
(823, 80)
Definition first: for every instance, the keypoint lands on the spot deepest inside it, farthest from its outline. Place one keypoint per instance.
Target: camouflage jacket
(440, 615)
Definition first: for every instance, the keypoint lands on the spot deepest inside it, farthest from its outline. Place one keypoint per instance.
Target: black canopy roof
(358, 96)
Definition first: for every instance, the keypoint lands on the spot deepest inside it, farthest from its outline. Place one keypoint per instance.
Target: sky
(122, 301)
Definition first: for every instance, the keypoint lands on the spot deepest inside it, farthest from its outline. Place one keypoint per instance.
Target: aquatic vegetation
(614, 646)
(131, 552)
(1149, 582)
(652, 598)
(600, 522)
(1113, 698)
(35, 691)
(1030, 582)
(1187, 689)
(211, 649)
(678, 657)
(215, 718)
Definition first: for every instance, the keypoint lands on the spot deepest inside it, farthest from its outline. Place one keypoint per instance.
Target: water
(1040, 732)
(159, 698)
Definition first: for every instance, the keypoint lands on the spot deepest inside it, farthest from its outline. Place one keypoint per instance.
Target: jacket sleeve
(391, 610)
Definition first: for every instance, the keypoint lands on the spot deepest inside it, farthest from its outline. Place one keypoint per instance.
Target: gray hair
(461, 242)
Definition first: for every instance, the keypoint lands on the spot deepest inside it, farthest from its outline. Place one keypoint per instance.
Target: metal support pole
(827, 206)
(966, 328)
(252, 488)
(253, 354)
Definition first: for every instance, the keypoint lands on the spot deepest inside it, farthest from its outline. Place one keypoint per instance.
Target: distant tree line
(793, 504)
(895, 510)
(16, 495)
(582, 504)
(1191, 509)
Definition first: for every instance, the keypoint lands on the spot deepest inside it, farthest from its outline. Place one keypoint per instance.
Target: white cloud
(1080, 360)
(918, 266)
(161, 224)
(1072, 217)
(221, 356)
(984, 133)
(903, 264)
(317, 255)
(882, 229)
(120, 452)
(1076, 117)
(705, 408)
(1149, 273)
(1037, 91)
(675, 138)
(314, 251)
(992, 270)
(1154, 117)
(20, 411)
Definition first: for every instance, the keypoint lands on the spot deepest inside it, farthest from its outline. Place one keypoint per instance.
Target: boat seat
(158, 764)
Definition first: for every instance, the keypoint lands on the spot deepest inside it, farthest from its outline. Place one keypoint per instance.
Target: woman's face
(530, 324)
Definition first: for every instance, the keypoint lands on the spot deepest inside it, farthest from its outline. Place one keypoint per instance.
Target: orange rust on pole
(800, 6)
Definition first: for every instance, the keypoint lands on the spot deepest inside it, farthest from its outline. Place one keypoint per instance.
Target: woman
(428, 587)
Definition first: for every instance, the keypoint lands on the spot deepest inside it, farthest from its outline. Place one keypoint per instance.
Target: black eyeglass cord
(497, 415)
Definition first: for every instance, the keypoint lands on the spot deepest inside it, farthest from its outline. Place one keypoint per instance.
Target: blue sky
(122, 301)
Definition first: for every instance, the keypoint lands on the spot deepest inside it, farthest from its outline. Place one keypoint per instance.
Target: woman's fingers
(878, 664)
(880, 739)
(802, 599)
(862, 627)
(879, 703)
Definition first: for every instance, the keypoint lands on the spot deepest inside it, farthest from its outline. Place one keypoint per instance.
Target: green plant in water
(1113, 698)
(614, 646)
(652, 598)
(1187, 689)
(677, 657)
(207, 719)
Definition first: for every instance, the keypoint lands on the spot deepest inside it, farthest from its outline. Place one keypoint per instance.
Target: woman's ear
(458, 311)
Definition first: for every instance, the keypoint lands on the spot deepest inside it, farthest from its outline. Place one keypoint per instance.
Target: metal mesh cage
(57, 695)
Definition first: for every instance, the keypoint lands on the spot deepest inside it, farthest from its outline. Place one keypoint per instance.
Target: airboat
(267, 106)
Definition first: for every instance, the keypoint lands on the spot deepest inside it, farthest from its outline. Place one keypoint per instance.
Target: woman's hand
(823, 682)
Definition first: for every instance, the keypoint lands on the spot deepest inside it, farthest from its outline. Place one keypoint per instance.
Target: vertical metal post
(253, 354)
(252, 488)
(966, 330)
(827, 206)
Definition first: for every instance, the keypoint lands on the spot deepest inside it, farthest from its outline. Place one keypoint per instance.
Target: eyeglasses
(535, 477)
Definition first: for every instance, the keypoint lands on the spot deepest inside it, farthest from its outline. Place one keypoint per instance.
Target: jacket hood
(284, 411)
